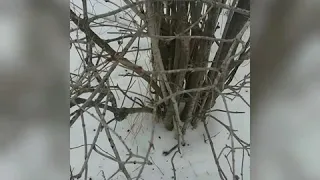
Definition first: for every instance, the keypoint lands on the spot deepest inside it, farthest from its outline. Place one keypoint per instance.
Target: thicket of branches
(185, 81)
(182, 34)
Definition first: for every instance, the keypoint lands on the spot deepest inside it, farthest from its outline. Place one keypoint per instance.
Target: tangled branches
(184, 82)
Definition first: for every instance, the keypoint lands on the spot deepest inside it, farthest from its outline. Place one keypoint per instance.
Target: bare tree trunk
(236, 23)
(194, 53)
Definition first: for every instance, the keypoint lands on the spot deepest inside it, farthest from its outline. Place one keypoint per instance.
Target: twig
(184, 92)
(173, 167)
(114, 11)
(85, 145)
(77, 176)
(229, 129)
(232, 112)
(150, 144)
(121, 165)
(166, 153)
(170, 38)
(157, 166)
(220, 171)
(239, 95)
(232, 136)
(231, 169)
(242, 162)
(181, 70)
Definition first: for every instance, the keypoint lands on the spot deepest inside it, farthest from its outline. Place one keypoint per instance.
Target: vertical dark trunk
(236, 24)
